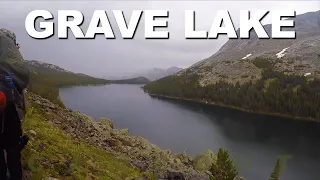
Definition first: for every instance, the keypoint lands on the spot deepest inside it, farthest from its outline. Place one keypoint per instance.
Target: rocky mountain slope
(297, 56)
(269, 76)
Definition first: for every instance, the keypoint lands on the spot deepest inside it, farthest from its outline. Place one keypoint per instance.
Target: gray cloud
(102, 57)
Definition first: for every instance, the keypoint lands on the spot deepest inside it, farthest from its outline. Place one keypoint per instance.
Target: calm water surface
(254, 141)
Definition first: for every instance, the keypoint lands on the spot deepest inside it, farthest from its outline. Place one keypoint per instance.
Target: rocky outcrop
(139, 151)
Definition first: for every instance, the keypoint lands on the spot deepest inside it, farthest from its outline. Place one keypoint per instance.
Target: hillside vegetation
(45, 79)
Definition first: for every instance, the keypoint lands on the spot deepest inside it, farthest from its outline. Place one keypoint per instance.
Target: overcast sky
(120, 57)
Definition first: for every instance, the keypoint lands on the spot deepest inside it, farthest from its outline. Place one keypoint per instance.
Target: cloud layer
(120, 57)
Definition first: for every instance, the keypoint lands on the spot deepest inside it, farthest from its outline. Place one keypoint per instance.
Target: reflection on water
(238, 126)
(255, 141)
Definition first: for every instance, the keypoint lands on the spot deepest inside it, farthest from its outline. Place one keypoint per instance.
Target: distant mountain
(137, 80)
(273, 76)
(173, 70)
(158, 73)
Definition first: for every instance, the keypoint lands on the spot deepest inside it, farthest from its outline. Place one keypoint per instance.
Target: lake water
(254, 141)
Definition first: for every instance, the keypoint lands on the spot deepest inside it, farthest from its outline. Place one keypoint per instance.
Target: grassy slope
(52, 153)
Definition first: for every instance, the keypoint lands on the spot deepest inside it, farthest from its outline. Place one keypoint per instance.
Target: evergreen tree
(276, 171)
(223, 168)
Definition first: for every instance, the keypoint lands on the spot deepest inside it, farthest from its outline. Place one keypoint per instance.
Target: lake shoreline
(235, 108)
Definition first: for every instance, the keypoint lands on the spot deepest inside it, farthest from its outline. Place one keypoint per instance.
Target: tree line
(275, 92)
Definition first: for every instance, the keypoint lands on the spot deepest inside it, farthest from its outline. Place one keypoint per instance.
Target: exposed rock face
(233, 63)
(143, 154)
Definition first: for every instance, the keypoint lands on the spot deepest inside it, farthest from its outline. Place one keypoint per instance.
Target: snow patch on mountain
(281, 53)
(307, 74)
(248, 55)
